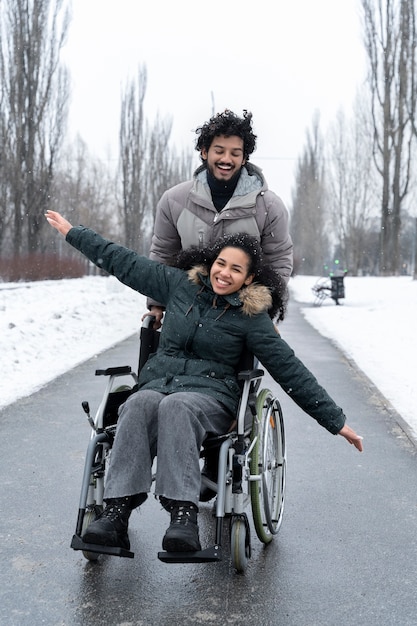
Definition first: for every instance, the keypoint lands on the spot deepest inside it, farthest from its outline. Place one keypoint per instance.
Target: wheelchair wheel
(267, 465)
(240, 543)
(89, 517)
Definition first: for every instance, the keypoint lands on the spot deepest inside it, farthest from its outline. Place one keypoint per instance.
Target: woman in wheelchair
(219, 302)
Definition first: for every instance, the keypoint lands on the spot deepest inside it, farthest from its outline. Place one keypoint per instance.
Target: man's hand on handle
(158, 313)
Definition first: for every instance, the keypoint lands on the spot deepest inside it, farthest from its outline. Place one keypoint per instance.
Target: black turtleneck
(221, 191)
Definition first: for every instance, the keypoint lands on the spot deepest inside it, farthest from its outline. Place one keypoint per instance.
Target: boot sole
(180, 544)
(111, 542)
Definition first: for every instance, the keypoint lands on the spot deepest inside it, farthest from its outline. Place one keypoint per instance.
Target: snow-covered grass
(376, 327)
(49, 327)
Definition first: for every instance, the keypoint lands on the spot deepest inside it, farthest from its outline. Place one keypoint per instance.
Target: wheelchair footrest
(78, 544)
(202, 556)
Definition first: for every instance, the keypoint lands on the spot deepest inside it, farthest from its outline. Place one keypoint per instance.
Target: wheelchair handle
(149, 321)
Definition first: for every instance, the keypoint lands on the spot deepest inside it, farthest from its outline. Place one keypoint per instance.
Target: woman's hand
(350, 436)
(57, 221)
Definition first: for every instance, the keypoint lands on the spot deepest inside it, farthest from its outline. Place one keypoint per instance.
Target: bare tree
(4, 187)
(148, 164)
(133, 149)
(308, 215)
(415, 249)
(390, 42)
(351, 185)
(167, 167)
(87, 189)
(34, 94)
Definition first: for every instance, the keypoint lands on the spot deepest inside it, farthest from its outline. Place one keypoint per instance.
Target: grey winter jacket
(204, 335)
(186, 216)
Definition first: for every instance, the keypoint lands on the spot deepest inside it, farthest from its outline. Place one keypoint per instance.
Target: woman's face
(229, 271)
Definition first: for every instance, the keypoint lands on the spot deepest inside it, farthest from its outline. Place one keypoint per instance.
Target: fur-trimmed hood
(253, 299)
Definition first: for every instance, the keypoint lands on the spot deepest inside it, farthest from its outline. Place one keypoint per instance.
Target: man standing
(226, 195)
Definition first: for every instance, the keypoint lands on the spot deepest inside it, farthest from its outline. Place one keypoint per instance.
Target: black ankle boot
(110, 528)
(182, 534)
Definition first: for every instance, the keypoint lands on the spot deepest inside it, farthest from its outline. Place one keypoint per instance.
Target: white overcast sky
(280, 60)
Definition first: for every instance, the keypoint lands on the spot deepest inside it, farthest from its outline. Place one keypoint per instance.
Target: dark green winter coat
(204, 335)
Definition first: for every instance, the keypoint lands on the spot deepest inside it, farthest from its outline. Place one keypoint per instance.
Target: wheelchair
(250, 460)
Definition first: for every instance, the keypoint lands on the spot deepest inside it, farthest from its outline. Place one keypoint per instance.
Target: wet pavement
(346, 553)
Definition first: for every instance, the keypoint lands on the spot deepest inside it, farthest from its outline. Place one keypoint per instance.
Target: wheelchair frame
(251, 467)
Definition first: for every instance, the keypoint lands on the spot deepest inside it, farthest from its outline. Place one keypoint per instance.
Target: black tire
(239, 543)
(267, 467)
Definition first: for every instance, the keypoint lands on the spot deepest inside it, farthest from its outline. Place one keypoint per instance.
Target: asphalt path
(345, 555)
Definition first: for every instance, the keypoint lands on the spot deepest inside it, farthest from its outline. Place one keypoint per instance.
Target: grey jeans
(171, 426)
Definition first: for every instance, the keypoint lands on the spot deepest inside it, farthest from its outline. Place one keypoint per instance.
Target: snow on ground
(47, 328)
(375, 325)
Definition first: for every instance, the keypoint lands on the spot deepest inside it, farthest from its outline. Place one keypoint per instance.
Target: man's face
(224, 157)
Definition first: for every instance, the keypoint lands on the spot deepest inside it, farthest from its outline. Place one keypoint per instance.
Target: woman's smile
(221, 282)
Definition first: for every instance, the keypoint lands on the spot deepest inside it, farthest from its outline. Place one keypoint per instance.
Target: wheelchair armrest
(114, 371)
(250, 374)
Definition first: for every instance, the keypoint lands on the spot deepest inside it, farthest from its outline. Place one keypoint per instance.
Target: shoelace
(116, 512)
(181, 516)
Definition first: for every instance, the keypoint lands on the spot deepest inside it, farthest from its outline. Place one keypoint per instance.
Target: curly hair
(263, 274)
(228, 124)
